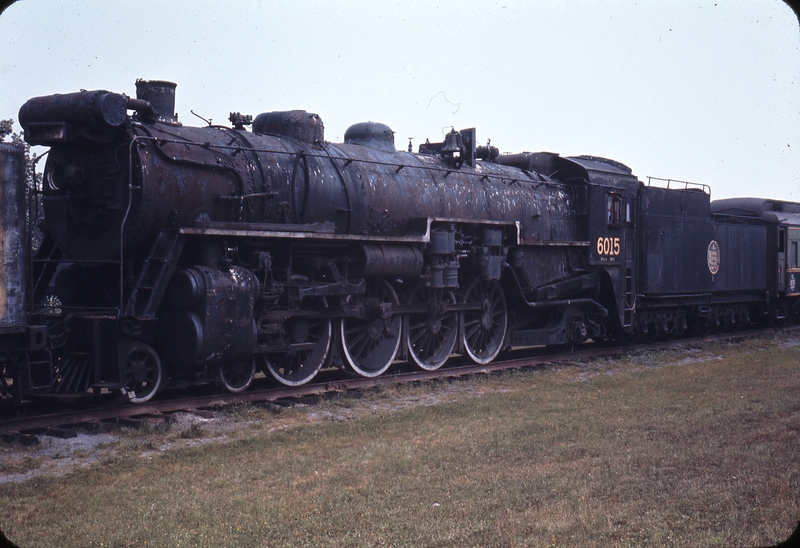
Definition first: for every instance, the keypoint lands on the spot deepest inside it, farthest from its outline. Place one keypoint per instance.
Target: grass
(695, 447)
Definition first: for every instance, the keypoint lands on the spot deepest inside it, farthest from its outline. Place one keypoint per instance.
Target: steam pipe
(140, 105)
(551, 304)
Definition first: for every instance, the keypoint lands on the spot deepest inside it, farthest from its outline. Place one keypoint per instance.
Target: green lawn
(695, 447)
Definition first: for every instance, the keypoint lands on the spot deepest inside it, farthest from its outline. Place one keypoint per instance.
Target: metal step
(156, 272)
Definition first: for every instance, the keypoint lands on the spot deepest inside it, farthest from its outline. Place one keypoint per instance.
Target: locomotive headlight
(60, 176)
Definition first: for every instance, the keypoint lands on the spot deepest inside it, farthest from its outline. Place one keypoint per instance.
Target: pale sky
(704, 91)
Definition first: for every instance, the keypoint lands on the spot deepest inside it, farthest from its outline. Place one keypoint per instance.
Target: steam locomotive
(174, 255)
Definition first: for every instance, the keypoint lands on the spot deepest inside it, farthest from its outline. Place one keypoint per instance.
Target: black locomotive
(175, 254)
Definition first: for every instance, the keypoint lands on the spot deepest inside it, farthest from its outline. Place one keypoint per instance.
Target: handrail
(131, 188)
(687, 185)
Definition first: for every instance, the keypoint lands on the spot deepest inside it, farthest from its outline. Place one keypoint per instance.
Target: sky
(701, 91)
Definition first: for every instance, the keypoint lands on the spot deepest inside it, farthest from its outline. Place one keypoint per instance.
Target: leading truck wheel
(143, 378)
(237, 376)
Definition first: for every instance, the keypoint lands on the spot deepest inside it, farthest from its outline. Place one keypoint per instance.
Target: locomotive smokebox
(161, 95)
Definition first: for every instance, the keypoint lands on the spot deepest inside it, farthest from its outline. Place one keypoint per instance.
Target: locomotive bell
(453, 150)
(452, 143)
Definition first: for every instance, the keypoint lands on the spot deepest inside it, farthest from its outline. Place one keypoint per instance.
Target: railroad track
(16, 428)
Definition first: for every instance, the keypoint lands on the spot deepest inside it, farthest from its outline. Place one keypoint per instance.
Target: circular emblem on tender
(792, 283)
(712, 257)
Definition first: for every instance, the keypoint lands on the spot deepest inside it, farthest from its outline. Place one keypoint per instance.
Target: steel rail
(115, 410)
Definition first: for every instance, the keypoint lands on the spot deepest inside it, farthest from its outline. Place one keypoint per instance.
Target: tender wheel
(483, 330)
(669, 330)
(704, 327)
(717, 324)
(744, 318)
(653, 332)
(431, 337)
(310, 343)
(371, 339)
(144, 374)
(237, 376)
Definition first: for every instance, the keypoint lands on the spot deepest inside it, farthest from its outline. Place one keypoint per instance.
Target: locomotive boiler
(178, 254)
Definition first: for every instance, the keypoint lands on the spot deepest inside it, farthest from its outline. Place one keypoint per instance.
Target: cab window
(615, 210)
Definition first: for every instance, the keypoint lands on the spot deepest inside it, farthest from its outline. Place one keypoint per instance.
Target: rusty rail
(127, 410)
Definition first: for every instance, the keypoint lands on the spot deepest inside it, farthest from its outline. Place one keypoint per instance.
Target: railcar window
(781, 238)
(794, 255)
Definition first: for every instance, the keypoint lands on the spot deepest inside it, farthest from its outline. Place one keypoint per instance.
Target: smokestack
(161, 95)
